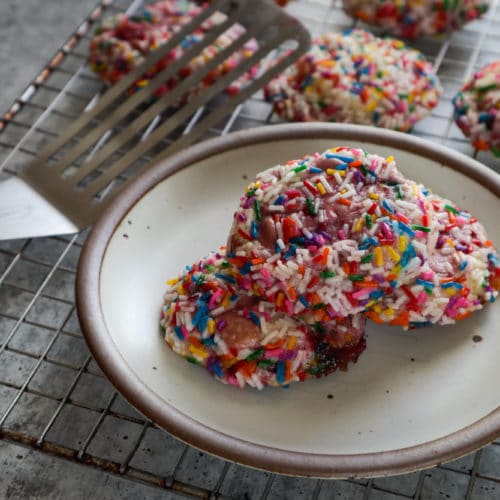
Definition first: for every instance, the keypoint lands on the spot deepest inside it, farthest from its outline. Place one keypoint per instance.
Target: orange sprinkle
(374, 317)
(356, 163)
(463, 315)
(276, 345)
(288, 370)
(280, 299)
(194, 341)
(367, 284)
(488, 243)
(260, 260)
(401, 320)
(302, 269)
(344, 201)
(292, 341)
(326, 251)
(346, 267)
(292, 294)
(481, 145)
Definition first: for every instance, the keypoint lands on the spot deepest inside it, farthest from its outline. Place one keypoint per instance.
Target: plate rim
(201, 436)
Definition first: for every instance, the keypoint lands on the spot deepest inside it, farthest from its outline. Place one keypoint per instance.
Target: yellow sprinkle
(415, 191)
(211, 326)
(181, 290)
(341, 173)
(142, 83)
(373, 196)
(370, 304)
(377, 308)
(173, 281)
(329, 63)
(291, 342)
(358, 225)
(450, 242)
(225, 302)
(389, 312)
(333, 150)
(389, 159)
(450, 291)
(379, 257)
(321, 188)
(330, 171)
(402, 243)
(392, 253)
(371, 106)
(344, 191)
(396, 269)
(198, 352)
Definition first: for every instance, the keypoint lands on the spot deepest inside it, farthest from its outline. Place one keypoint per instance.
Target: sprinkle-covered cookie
(477, 108)
(356, 77)
(341, 233)
(123, 41)
(411, 19)
(242, 340)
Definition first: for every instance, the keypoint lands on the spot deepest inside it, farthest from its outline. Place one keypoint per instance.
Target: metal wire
(40, 337)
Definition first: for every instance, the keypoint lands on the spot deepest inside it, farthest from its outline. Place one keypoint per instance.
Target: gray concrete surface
(30, 33)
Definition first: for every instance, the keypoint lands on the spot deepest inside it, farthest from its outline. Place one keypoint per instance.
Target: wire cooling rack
(54, 398)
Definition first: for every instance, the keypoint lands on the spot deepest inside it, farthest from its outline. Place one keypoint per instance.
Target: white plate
(413, 399)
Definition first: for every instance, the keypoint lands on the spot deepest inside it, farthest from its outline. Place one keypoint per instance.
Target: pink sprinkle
(233, 380)
(427, 276)
(386, 230)
(213, 298)
(289, 307)
(361, 294)
(273, 353)
(266, 276)
(341, 234)
(421, 234)
(184, 332)
(422, 297)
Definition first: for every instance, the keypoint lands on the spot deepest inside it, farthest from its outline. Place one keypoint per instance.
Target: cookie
(123, 41)
(477, 109)
(242, 340)
(343, 233)
(356, 77)
(411, 19)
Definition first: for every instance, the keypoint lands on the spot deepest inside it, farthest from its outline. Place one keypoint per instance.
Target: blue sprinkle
(462, 265)
(255, 319)
(280, 200)
(234, 297)
(368, 242)
(225, 277)
(246, 268)
(217, 369)
(304, 302)
(406, 229)
(376, 116)
(452, 284)
(280, 372)
(290, 252)
(387, 206)
(254, 230)
(208, 341)
(315, 170)
(424, 283)
(376, 294)
(408, 254)
(178, 332)
(345, 159)
(394, 283)
(494, 259)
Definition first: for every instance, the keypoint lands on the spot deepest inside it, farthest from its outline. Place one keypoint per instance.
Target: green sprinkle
(190, 359)
(250, 192)
(225, 264)
(256, 354)
(209, 267)
(496, 151)
(368, 220)
(451, 209)
(200, 279)
(318, 306)
(265, 363)
(326, 274)
(311, 207)
(424, 229)
(355, 277)
(399, 192)
(364, 170)
(300, 168)
(256, 207)
(367, 258)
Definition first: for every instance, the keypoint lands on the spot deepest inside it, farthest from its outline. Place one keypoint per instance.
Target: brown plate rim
(189, 430)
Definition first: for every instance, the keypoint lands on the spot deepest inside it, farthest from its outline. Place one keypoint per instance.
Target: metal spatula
(67, 185)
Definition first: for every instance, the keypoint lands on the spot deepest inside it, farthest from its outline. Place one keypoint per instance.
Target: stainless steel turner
(59, 193)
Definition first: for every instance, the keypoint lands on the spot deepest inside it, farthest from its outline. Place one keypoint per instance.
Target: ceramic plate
(413, 400)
